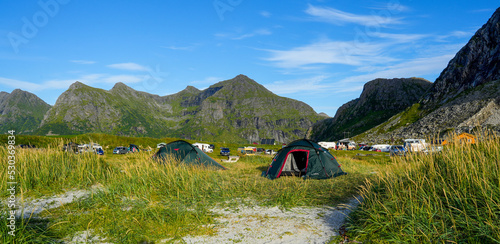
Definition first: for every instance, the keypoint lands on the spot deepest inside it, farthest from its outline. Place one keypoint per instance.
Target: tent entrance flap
(295, 163)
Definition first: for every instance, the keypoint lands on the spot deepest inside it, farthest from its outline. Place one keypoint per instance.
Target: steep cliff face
(465, 95)
(21, 111)
(478, 62)
(242, 108)
(380, 99)
(238, 109)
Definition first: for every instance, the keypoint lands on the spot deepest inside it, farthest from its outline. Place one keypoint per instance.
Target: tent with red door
(306, 159)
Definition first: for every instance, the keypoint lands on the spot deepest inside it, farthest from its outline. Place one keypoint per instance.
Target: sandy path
(272, 225)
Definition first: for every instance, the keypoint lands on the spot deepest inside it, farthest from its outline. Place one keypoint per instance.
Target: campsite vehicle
(346, 144)
(306, 159)
(248, 151)
(161, 144)
(397, 150)
(270, 152)
(99, 151)
(382, 147)
(70, 147)
(260, 150)
(185, 153)
(415, 145)
(367, 148)
(327, 145)
(133, 148)
(204, 147)
(120, 150)
(211, 146)
(224, 151)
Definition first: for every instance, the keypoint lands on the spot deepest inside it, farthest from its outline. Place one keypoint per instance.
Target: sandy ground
(242, 224)
(273, 225)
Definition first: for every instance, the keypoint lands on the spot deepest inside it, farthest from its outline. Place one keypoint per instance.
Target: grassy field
(447, 197)
(452, 196)
(140, 200)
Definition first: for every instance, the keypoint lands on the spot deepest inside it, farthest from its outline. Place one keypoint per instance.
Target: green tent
(186, 153)
(306, 159)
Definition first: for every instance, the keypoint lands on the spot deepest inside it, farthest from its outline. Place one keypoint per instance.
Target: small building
(462, 138)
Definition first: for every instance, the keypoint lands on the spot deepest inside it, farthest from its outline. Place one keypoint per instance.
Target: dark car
(120, 150)
(397, 150)
(224, 151)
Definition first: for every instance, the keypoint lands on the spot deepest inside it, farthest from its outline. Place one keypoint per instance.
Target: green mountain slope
(21, 111)
(238, 110)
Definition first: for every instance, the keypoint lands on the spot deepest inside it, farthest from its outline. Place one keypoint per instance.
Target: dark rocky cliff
(380, 100)
(465, 96)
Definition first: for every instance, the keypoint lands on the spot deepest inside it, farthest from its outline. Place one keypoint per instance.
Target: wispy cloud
(83, 61)
(129, 66)
(298, 85)
(207, 81)
(265, 14)
(330, 52)
(89, 79)
(411, 68)
(239, 36)
(338, 17)
(259, 32)
(182, 48)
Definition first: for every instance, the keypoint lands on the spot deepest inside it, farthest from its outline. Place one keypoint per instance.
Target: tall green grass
(451, 196)
(142, 200)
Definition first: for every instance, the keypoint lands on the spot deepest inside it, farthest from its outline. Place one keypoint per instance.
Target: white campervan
(415, 145)
(327, 144)
(204, 147)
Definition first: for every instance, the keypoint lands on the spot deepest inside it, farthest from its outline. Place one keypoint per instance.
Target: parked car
(120, 150)
(270, 152)
(224, 151)
(367, 148)
(397, 150)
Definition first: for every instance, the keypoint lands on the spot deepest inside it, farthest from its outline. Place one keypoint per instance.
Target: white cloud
(298, 85)
(89, 79)
(83, 61)
(399, 38)
(331, 52)
(24, 85)
(413, 68)
(182, 48)
(265, 14)
(239, 36)
(338, 17)
(208, 80)
(129, 66)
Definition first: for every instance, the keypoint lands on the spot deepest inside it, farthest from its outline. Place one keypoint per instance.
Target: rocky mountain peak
(77, 85)
(191, 89)
(475, 64)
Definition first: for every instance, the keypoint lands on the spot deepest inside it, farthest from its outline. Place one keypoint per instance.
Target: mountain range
(465, 96)
(238, 109)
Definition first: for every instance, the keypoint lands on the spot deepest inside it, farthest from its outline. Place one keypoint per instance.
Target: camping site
(137, 198)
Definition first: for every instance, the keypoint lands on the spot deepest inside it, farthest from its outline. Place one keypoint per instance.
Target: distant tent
(133, 148)
(186, 153)
(267, 142)
(306, 159)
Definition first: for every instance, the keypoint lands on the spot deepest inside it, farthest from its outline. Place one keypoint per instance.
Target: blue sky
(318, 52)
